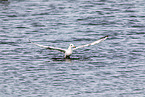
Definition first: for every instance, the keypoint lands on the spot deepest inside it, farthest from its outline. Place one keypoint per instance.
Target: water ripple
(112, 68)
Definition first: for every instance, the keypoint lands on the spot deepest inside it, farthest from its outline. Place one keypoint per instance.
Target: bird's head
(71, 45)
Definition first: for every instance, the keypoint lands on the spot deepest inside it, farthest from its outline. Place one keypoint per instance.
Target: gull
(71, 47)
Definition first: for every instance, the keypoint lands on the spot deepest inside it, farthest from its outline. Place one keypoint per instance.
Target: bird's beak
(74, 47)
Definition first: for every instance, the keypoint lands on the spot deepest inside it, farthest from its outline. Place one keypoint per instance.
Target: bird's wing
(93, 43)
(49, 47)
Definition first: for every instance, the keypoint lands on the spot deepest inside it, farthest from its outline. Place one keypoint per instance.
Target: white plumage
(71, 47)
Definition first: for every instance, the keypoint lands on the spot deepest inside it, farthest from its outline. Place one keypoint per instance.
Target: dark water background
(113, 68)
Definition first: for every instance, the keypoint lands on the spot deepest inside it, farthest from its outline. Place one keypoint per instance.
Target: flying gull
(71, 47)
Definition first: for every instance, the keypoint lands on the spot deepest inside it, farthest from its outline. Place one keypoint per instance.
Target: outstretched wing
(93, 43)
(49, 47)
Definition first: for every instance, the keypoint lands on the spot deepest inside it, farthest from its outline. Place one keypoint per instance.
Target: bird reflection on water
(5, 2)
(69, 59)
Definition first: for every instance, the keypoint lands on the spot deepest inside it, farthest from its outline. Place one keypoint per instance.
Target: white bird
(71, 47)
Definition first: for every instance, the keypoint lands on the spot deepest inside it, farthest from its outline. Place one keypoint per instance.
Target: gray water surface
(112, 68)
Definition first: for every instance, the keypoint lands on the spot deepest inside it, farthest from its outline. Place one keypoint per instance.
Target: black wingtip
(105, 36)
(29, 41)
